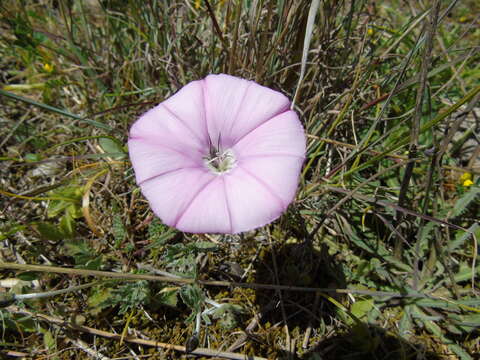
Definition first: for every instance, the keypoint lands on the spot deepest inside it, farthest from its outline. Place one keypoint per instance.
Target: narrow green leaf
(54, 109)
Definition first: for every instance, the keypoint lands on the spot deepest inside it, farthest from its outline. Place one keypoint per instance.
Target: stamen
(220, 161)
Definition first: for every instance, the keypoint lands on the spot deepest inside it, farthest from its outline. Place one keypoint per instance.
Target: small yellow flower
(197, 4)
(465, 176)
(370, 32)
(468, 183)
(47, 67)
(463, 19)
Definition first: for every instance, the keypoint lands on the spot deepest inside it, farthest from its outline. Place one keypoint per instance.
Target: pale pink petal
(208, 212)
(281, 135)
(162, 126)
(236, 106)
(259, 105)
(150, 158)
(279, 173)
(188, 104)
(170, 195)
(224, 96)
(252, 202)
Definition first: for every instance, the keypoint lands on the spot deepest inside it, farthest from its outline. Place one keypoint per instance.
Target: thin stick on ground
(65, 324)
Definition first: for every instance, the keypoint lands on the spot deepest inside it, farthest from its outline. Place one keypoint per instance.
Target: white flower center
(220, 161)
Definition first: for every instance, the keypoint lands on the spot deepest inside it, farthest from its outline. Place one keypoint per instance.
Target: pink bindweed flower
(222, 155)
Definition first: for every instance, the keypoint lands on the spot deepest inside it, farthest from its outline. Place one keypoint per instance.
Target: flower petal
(151, 159)
(162, 126)
(188, 104)
(236, 106)
(252, 202)
(223, 98)
(279, 173)
(259, 105)
(281, 135)
(170, 195)
(208, 212)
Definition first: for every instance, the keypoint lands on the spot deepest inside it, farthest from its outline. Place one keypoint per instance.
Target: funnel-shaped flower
(222, 155)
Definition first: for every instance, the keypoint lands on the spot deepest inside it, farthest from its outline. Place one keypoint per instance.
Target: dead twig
(65, 324)
(132, 277)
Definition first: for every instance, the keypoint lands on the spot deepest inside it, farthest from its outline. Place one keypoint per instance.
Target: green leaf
(462, 203)
(362, 307)
(84, 256)
(465, 272)
(159, 234)
(67, 225)
(184, 266)
(168, 297)
(93, 264)
(10, 229)
(405, 325)
(118, 229)
(228, 315)
(433, 328)
(49, 231)
(98, 298)
(26, 323)
(29, 275)
(462, 236)
(205, 246)
(53, 109)
(32, 157)
(112, 147)
(49, 340)
(468, 322)
(73, 193)
(17, 322)
(454, 305)
(129, 296)
(192, 296)
(56, 207)
(377, 249)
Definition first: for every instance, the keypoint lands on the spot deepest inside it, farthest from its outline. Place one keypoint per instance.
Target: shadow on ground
(300, 264)
(297, 264)
(370, 342)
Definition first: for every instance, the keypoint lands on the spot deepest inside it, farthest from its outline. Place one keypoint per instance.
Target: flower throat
(220, 161)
